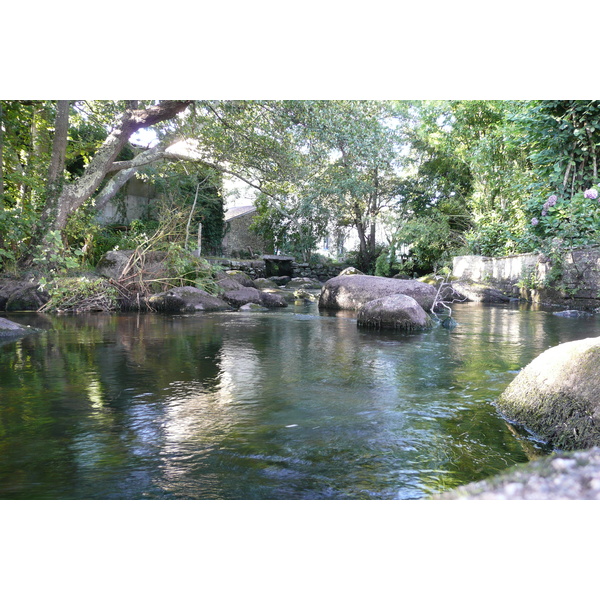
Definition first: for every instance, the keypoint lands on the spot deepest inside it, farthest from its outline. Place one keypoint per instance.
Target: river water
(285, 404)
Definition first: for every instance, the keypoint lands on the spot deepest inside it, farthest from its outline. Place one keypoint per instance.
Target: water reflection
(285, 404)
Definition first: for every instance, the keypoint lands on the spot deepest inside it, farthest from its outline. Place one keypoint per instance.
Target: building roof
(238, 211)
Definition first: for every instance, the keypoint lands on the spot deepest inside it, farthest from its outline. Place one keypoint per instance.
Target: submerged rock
(352, 293)
(305, 295)
(572, 314)
(251, 307)
(394, 312)
(567, 476)
(557, 396)
(186, 299)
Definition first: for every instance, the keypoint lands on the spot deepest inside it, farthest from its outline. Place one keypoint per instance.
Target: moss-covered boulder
(264, 284)
(394, 312)
(557, 396)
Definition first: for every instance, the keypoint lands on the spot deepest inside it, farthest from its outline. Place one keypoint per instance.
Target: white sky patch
(144, 137)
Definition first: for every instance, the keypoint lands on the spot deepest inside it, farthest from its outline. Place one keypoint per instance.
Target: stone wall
(256, 268)
(320, 272)
(239, 239)
(137, 204)
(571, 279)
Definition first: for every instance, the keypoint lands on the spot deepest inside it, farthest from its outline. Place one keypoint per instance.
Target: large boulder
(186, 299)
(557, 396)
(225, 277)
(272, 300)
(21, 295)
(352, 293)
(279, 279)
(10, 330)
(247, 295)
(264, 284)
(394, 312)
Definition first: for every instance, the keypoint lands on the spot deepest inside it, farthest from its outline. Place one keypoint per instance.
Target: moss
(557, 396)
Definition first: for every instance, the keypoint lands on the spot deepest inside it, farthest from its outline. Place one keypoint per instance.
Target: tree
(353, 152)
(64, 198)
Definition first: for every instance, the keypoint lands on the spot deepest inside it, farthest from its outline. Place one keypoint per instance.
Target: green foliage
(187, 269)
(178, 185)
(562, 136)
(385, 265)
(16, 225)
(296, 232)
(575, 220)
(53, 257)
(492, 235)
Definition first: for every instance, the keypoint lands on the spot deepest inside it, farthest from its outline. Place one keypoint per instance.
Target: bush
(574, 220)
(79, 294)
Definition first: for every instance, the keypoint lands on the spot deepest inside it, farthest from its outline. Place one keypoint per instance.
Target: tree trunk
(1, 158)
(73, 195)
(59, 145)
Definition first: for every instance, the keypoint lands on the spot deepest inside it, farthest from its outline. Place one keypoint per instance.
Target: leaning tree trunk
(1, 158)
(73, 195)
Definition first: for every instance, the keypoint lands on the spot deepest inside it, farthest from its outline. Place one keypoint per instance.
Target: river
(286, 404)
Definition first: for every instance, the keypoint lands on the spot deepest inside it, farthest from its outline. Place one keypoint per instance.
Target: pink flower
(551, 200)
(591, 193)
(534, 221)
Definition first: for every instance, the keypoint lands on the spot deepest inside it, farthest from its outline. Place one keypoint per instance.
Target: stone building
(239, 240)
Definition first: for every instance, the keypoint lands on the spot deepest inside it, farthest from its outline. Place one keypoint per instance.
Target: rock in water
(572, 314)
(557, 396)
(10, 329)
(186, 299)
(449, 323)
(225, 277)
(479, 292)
(394, 312)
(246, 295)
(352, 293)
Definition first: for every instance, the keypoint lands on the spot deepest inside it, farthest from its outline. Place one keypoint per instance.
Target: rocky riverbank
(556, 397)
